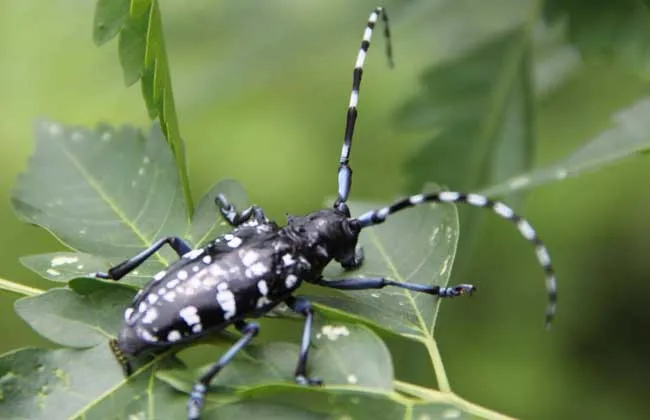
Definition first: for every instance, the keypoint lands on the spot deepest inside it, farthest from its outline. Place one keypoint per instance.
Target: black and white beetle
(247, 272)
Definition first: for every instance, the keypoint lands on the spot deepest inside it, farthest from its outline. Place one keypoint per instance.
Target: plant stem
(431, 395)
(438, 366)
(19, 289)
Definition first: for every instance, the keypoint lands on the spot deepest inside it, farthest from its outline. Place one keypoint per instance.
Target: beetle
(259, 264)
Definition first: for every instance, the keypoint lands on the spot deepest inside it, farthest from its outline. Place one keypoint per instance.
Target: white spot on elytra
(197, 328)
(52, 272)
(128, 313)
(262, 301)
(352, 379)
(190, 315)
(150, 316)
(263, 287)
(174, 335)
(193, 254)
(56, 261)
(227, 301)
(333, 332)
(172, 283)
(170, 296)
(152, 298)
(290, 281)
(207, 259)
(249, 258)
(216, 271)
(257, 269)
(142, 307)
(234, 242)
(288, 260)
(182, 275)
(147, 336)
(159, 275)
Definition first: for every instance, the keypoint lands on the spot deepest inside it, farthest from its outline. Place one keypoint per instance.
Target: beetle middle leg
(125, 267)
(381, 282)
(197, 396)
(235, 217)
(303, 307)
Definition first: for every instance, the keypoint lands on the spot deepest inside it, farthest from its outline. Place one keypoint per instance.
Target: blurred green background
(261, 91)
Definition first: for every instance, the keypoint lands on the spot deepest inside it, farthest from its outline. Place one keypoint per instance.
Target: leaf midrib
(107, 199)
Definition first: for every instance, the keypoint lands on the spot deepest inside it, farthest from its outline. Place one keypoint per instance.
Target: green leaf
(417, 246)
(607, 30)
(628, 137)
(110, 17)
(481, 108)
(65, 266)
(341, 354)
(82, 317)
(362, 403)
(44, 384)
(72, 188)
(143, 57)
(67, 383)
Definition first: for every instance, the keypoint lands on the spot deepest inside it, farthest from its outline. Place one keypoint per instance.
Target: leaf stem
(438, 366)
(431, 395)
(19, 289)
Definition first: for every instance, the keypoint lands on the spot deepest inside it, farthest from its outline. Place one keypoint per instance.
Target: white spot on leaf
(333, 332)
(56, 261)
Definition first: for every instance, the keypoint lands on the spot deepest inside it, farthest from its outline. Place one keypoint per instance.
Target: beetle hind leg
(197, 396)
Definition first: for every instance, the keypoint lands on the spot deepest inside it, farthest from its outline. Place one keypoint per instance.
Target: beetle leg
(303, 306)
(236, 218)
(125, 267)
(197, 396)
(381, 282)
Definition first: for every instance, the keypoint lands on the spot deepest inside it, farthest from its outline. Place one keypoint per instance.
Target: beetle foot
(197, 400)
(458, 290)
(305, 380)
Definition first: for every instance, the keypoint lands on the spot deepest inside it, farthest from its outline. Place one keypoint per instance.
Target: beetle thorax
(325, 234)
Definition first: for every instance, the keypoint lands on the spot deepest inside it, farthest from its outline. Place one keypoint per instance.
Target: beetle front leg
(197, 396)
(303, 307)
(235, 217)
(381, 282)
(125, 267)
